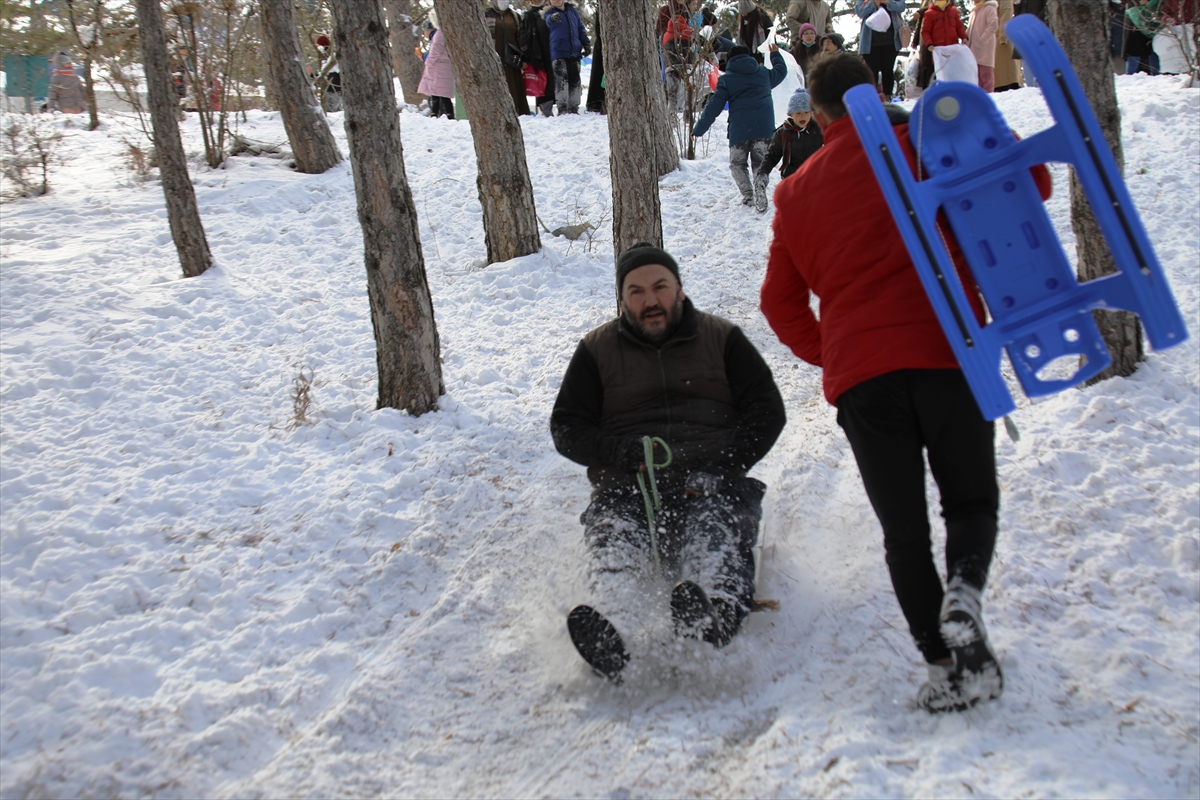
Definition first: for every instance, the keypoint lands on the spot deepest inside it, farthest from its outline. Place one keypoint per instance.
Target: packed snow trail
(199, 597)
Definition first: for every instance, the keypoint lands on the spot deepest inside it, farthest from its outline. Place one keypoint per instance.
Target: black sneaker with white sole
(975, 675)
(597, 641)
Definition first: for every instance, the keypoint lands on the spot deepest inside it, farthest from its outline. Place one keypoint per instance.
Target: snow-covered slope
(200, 598)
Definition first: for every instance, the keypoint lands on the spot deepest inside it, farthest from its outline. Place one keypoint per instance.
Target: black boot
(597, 641)
(697, 617)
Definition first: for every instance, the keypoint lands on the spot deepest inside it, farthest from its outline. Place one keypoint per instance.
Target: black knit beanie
(739, 50)
(640, 255)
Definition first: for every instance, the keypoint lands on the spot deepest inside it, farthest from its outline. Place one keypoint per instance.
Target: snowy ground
(198, 598)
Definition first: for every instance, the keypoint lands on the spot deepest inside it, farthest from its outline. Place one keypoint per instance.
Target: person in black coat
(596, 90)
(535, 49)
(692, 381)
(795, 140)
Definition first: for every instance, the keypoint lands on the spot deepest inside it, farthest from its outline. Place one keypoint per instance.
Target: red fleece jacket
(835, 237)
(942, 26)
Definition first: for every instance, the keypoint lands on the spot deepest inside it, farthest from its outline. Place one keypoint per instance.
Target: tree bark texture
(89, 93)
(407, 350)
(634, 153)
(307, 129)
(509, 216)
(182, 212)
(1081, 26)
(662, 120)
(407, 65)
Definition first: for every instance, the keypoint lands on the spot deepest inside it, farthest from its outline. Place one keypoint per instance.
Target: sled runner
(979, 175)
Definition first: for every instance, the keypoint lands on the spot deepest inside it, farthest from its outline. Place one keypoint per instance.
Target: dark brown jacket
(705, 391)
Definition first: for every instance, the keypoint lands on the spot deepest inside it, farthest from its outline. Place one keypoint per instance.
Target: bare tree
(87, 37)
(634, 88)
(405, 61)
(307, 129)
(1082, 28)
(182, 213)
(406, 340)
(509, 217)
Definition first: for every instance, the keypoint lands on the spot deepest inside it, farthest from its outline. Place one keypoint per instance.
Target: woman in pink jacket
(981, 38)
(438, 79)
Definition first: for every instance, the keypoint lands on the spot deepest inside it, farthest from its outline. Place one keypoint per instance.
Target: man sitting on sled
(668, 408)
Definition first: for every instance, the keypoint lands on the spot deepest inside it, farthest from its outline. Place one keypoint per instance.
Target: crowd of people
(541, 50)
(541, 47)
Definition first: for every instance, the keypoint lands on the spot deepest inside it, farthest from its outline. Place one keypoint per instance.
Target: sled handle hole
(1032, 351)
(1071, 335)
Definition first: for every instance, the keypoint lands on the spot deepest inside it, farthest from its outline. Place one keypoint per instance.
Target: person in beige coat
(1008, 72)
(815, 12)
(981, 38)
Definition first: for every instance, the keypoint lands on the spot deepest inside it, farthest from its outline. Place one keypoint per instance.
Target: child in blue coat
(746, 86)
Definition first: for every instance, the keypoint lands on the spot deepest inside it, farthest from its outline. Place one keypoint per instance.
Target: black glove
(587, 51)
(629, 455)
(556, 18)
(705, 482)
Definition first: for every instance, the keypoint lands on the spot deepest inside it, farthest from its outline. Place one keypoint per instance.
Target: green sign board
(28, 77)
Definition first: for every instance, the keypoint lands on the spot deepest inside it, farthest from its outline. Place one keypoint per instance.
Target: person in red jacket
(895, 382)
(941, 25)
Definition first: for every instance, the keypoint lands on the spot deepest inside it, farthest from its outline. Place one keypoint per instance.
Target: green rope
(648, 443)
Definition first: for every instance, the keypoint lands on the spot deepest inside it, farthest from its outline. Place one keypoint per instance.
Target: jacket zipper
(662, 371)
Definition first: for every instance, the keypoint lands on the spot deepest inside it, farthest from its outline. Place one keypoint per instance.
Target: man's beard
(673, 314)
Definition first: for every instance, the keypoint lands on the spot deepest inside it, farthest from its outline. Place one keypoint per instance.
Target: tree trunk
(89, 85)
(307, 129)
(634, 153)
(407, 65)
(270, 84)
(509, 217)
(184, 216)
(89, 92)
(1081, 26)
(662, 121)
(406, 340)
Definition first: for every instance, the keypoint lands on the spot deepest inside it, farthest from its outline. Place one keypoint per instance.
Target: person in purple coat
(438, 79)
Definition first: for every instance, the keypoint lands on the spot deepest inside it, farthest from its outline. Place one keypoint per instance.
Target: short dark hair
(834, 75)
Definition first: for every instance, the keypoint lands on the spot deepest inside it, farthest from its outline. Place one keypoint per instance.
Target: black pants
(882, 61)
(441, 106)
(595, 101)
(709, 540)
(889, 420)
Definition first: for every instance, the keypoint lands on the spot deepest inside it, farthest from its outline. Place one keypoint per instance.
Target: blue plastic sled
(979, 174)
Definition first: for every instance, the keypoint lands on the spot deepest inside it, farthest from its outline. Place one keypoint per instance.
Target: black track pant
(889, 420)
(709, 540)
(882, 61)
(441, 106)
